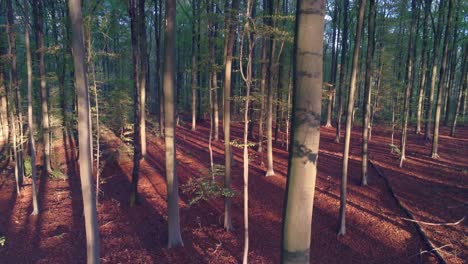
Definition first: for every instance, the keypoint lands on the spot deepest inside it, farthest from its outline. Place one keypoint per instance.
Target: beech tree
(84, 124)
(305, 134)
(174, 236)
(344, 50)
(349, 115)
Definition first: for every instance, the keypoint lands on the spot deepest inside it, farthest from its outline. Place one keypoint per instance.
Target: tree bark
(352, 90)
(461, 91)
(368, 90)
(38, 12)
(227, 112)
(344, 48)
(144, 70)
(305, 135)
(270, 86)
(424, 73)
(409, 80)
(194, 66)
(85, 161)
(174, 236)
(443, 72)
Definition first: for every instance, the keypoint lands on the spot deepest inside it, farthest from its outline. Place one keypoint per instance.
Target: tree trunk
(424, 74)
(174, 236)
(132, 10)
(305, 136)
(368, 90)
(32, 145)
(262, 94)
(352, 90)
(18, 118)
(270, 87)
(433, 73)
(443, 72)
(461, 90)
(227, 112)
(85, 161)
(453, 65)
(194, 67)
(344, 47)
(144, 70)
(409, 81)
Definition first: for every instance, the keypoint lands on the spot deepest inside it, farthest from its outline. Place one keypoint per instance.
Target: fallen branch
(420, 230)
(434, 224)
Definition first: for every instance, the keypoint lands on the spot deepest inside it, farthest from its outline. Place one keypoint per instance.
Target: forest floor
(434, 191)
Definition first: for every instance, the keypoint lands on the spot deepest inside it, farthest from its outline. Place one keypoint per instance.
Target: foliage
(208, 186)
(27, 167)
(2, 241)
(58, 175)
(395, 149)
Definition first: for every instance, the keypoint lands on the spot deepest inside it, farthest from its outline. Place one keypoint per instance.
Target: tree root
(429, 244)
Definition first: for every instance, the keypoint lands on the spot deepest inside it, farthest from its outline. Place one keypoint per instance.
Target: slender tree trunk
(461, 90)
(443, 72)
(174, 236)
(433, 73)
(424, 74)
(262, 94)
(227, 112)
(85, 161)
(368, 91)
(32, 145)
(194, 67)
(248, 82)
(453, 65)
(352, 90)
(409, 81)
(38, 12)
(305, 136)
(15, 90)
(377, 90)
(270, 87)
(132, 10)
(144, 70)
(344, 48)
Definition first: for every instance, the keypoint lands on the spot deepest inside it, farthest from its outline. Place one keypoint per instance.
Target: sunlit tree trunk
(85, 161)
(352, 90)
(194, 66)
(270, 87)
(262, 94)
(174, 236)
(409, 81)
(144, 70)
(305, 135)
(443, 72)
(227, 111)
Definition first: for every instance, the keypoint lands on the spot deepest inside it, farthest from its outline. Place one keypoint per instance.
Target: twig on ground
(434, 224)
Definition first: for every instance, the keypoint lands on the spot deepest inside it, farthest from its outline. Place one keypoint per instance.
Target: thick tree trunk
(344, 50)
(38, 12)
(409, 80)
(443, 72)
(85, 161)
(352, 90)
(368, 90)
(305, 136)
(174, 236)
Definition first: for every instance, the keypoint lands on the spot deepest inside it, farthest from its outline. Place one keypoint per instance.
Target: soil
(434, 191)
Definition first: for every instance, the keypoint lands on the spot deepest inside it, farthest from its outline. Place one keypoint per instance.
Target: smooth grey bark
(305, 134)
(349, 115)
(174, 235)
(144, 70)
(461, 90)
(85, 161)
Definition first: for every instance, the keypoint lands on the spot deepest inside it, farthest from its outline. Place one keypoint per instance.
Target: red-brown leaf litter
(378, 230)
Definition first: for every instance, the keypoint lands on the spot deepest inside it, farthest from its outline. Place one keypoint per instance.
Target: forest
(233, 131)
